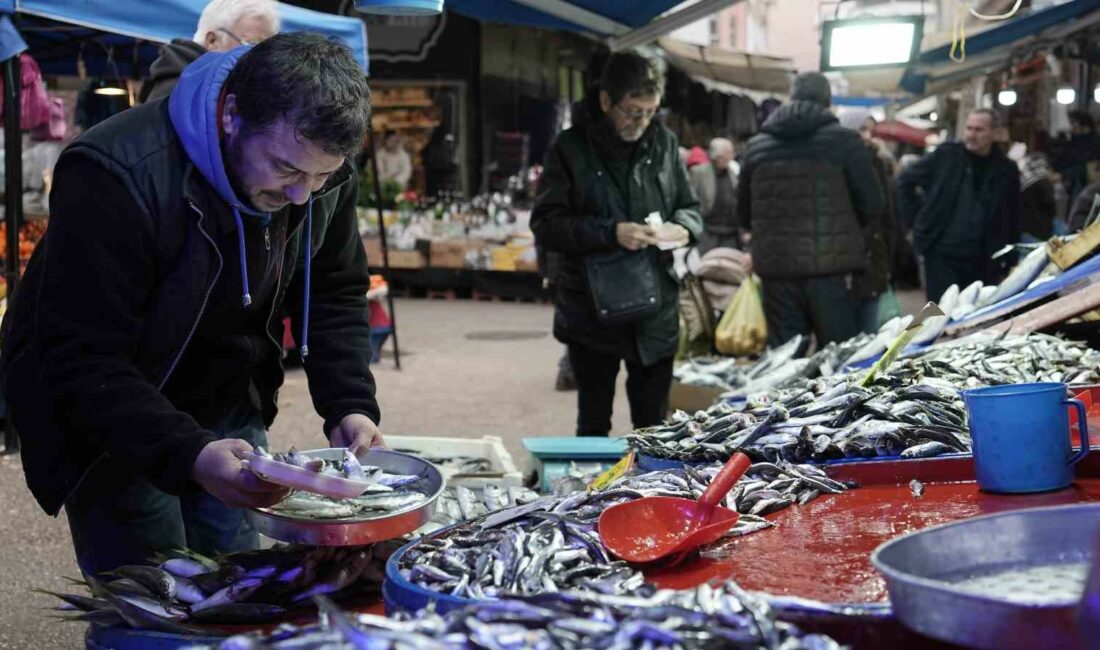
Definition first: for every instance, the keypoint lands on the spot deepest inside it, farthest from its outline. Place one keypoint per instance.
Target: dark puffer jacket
(575, 215)
(807, 192)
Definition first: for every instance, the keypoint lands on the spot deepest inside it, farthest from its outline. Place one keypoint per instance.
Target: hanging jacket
(575, 214)
(146, 241)
(807, 191)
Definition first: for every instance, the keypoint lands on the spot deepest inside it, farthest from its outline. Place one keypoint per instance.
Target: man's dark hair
(311, 81)
(994, 116)
(629, 74)
(1082, 118)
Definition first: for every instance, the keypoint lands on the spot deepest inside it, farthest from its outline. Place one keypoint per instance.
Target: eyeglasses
(636, 114)
(251, 41)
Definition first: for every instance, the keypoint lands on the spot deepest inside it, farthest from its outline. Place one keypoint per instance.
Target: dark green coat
(575, 214)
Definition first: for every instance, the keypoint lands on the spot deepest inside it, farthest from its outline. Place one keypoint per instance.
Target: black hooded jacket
(807, 192)
(165, 71)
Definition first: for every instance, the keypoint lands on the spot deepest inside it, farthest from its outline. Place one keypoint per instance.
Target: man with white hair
(715, 183)
(223, 25)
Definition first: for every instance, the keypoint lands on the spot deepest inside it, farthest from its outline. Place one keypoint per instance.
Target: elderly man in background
(715, 183)
(223, 25)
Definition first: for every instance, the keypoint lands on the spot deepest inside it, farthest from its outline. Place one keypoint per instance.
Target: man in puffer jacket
(808, 192)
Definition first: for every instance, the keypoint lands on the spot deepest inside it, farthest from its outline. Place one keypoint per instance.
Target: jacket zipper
(267, 239)
(205, 299)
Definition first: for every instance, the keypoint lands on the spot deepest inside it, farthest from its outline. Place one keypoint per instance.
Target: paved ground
(451, 384)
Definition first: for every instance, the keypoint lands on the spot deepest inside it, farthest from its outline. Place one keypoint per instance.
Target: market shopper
(1038, 206)
(715, 183)
(223, 25)
(141, 352)
(969, 208)
(602, 178)
(807, 195)
(874, 287)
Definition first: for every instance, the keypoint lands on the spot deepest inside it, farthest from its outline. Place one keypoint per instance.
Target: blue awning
(158, 21)
(630, 13)
(1001, 37)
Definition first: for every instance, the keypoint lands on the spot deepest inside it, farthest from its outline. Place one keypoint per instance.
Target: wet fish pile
(912, 410)
(552, 544)
(819, 421)
(707, 617)
(776, 367)
(241, 588)
(460, 503)
(347, 467)
(374, 502)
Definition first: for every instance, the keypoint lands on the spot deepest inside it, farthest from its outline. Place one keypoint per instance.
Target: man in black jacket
(141, 354)
(223, 25)
(969, 208)
(602, 179)
(807, 193)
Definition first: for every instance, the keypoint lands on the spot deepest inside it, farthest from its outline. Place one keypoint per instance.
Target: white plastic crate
(503, 470)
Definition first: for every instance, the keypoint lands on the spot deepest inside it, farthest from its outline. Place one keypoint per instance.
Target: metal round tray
(924, 571)
(356, 531)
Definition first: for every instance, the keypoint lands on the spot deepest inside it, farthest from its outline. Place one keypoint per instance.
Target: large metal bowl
(355, 531)
(923, 571)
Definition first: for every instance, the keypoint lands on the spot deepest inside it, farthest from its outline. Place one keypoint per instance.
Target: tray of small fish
(552, 544)
(1012, 580)
(401, 496)
(709, 617)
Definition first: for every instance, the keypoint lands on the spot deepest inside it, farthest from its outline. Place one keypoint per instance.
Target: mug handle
(1083, 427)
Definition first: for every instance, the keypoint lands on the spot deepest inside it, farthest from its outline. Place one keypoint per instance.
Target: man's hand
(356, 432)
(673, 233)
(635, 236)
(219, 471)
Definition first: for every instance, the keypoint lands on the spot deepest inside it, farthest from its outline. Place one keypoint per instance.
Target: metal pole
(13, 197)
(372, 154)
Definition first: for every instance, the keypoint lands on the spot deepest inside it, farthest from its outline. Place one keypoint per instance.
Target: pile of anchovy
(249, 587)
(775, 368)
(912, 410)
(552, 544)
(817, 422)
(707, 617)
(460, 503)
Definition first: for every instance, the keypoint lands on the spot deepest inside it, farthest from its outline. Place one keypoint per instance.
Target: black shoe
(565, 381)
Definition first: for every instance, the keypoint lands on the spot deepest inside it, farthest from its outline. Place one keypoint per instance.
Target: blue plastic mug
(1021, 437)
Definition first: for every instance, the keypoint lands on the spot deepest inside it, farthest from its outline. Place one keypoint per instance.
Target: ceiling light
(1096, 94)
(1006, 97)
(934, 116)
(110, 91)
(1066, 95)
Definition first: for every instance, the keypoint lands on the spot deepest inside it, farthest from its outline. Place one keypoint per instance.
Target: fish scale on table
(553, 544)
(912, 410)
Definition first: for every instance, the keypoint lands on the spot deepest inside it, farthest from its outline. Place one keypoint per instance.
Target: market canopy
(604, 17)
(750, 71)
(61, 31)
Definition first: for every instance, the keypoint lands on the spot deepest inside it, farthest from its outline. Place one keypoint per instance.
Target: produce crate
(399, 259)
(503, 470)
(451, 253)
(554, 456)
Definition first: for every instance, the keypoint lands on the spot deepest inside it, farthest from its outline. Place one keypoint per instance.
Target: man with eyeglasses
(223, 25)
(606, 183)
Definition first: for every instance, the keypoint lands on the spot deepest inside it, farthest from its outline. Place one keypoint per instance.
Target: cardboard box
(451, 253)
(399, 259)
(692, 398)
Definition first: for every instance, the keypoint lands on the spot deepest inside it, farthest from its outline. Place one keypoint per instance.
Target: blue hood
(193, 109)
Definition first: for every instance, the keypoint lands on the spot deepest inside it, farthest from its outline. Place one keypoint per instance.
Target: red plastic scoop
(652, 528)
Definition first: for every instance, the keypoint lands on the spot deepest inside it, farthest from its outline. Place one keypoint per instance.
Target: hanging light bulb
(400, 7)
(1006, 97)
(1066, 95)
(110, 89)
(934, 116)
(1096, 94)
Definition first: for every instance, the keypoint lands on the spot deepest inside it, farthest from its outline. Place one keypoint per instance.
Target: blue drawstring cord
(246, 297)
(304, 343)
